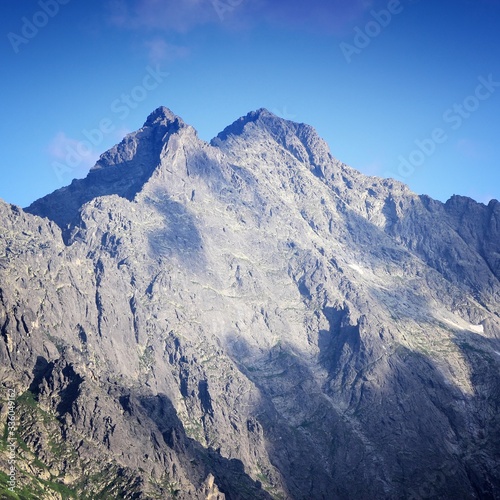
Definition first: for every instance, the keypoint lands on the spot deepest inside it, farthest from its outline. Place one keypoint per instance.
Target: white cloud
(71, 157)
(175, 16)
(160, 50)
(336, 17)
(166, 15)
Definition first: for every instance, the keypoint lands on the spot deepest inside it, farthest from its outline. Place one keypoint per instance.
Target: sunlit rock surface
(246, 319)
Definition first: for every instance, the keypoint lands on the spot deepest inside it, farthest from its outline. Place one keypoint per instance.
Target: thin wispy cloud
(334, 17)
(159, 50)
(77, 157)
(173, 16)
(163, 15)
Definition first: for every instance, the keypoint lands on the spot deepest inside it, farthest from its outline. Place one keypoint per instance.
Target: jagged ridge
(251, 318)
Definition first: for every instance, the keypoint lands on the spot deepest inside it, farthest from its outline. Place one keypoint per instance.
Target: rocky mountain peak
(122, 170)
(250, 319)
(126, 167)
(162, 116)
(262, 126)
(160, 125)
(238, 126)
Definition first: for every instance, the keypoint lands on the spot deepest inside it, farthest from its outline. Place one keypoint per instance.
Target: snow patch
(476, 328)
(357, 268)
(462, 325)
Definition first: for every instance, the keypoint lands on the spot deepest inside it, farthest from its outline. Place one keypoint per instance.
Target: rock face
(249, 319)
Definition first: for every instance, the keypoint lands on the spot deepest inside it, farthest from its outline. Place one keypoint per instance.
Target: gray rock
(250, 318)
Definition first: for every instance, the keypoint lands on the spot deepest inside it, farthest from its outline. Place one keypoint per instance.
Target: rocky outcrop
(249, 318)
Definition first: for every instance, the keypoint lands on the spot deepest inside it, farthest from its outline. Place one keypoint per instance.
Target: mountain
(249, 319)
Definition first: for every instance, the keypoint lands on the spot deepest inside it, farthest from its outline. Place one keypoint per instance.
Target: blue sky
(398, 88)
